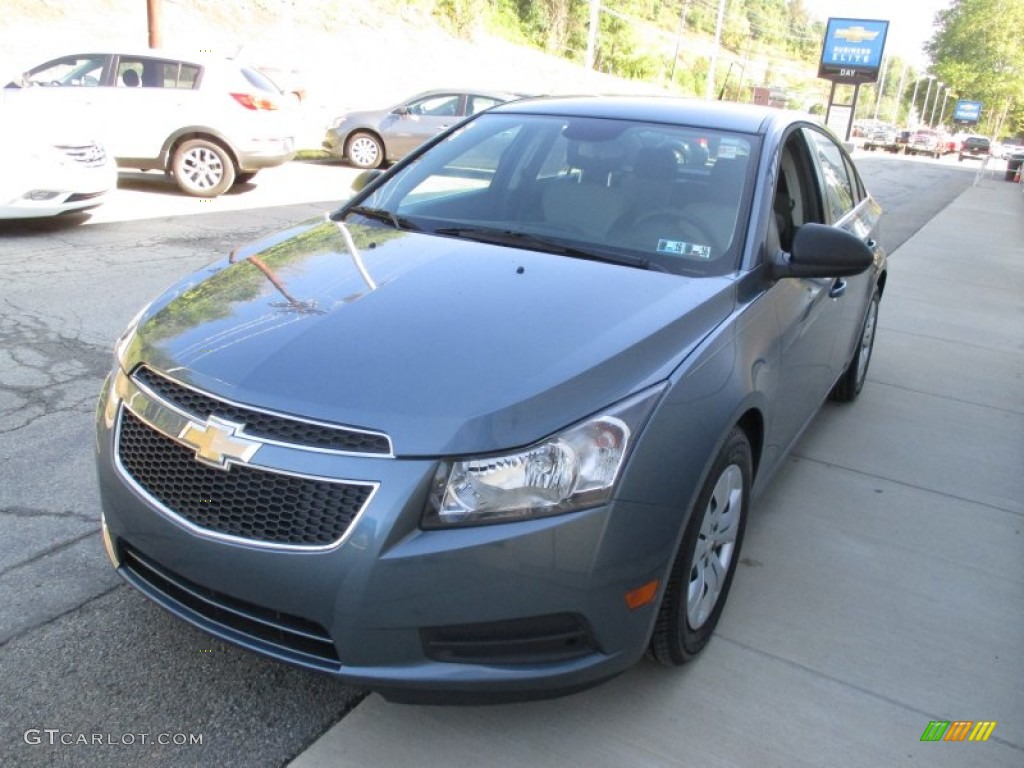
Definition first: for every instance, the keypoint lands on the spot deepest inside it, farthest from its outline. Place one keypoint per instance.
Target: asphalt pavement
(881, 586)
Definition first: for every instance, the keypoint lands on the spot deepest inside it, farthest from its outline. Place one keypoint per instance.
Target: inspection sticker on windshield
(689, 250)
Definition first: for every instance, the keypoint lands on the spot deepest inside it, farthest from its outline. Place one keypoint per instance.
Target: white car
(209, 122)
(50, 170)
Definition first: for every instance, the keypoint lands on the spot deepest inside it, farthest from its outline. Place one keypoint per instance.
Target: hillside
(346, 53)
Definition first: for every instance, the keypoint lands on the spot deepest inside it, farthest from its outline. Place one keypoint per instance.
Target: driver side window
(84, 71)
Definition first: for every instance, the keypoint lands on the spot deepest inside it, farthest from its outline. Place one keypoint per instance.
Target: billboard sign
(852, 50)
(967, 111)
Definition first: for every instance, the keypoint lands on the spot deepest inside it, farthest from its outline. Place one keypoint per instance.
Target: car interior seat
(590, 202)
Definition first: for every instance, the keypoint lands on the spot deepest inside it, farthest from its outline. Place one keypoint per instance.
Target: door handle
(838, 288)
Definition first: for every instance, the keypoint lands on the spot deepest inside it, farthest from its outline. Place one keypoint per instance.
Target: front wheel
(363, 150)
(704, 566)
(203, 168)
(852, 381)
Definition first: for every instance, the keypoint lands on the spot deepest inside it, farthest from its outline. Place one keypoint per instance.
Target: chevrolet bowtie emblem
(856, 34)
(217, 442)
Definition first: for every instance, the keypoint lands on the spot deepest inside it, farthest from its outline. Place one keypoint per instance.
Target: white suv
(209, 122)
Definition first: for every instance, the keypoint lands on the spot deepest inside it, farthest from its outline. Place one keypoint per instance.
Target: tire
(245, 178)
(364, 150)
(851, 382)
(203, 168)
(693, 602)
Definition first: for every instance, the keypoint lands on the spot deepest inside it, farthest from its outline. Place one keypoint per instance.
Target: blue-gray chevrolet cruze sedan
(493, 427)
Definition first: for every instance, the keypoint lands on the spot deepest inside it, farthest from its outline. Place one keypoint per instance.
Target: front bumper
(517, 610)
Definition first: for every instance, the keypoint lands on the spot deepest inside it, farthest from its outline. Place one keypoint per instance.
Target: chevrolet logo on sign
(217, 443)
(856, 34)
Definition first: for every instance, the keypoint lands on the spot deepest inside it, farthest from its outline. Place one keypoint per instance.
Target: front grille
(80, 196)
(270, 426)
(533, 640)
(283, 632)
(90, 155)
(244, 502)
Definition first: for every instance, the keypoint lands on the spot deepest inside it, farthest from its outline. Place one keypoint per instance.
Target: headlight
(571, 470)
(126, 337)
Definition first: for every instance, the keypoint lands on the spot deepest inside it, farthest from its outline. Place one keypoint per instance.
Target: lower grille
(284, 633)
(243, 502)
(534, 640)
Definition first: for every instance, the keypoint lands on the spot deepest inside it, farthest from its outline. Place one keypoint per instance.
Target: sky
(910, 23)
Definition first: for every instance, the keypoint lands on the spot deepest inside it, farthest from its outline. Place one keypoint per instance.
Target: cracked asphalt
(82, 656)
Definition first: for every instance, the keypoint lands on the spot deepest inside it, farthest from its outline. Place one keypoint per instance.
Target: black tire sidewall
(679, 641)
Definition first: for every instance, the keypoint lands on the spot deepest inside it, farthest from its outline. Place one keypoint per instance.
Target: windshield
(661, 196)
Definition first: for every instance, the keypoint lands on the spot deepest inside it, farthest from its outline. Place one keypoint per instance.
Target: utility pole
(154, 10)
(679, 39)
(931, 121)
(595, 20)
(709, 90)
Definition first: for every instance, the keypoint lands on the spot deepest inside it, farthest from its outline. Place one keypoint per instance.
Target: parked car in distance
(50, 168)
(926, 142)
(883, 138)
(494, 426)
(372, 138)
(975, 148)
(208, 122)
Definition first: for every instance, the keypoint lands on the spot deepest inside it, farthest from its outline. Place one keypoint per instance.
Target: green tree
(977, 51)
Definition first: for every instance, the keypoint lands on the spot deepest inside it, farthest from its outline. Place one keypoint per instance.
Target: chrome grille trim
(235, 411)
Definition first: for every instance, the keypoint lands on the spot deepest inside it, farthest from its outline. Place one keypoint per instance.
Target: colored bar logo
(958, 730)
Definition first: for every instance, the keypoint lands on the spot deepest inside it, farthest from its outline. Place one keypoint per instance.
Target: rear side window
(155, 73)
(841, 191)
(259, 80)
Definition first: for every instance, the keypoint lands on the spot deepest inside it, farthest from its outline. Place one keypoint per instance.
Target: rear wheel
(203, 168)
(702, 573)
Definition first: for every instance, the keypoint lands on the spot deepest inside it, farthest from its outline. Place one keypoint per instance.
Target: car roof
(202, 58)
(742, 118)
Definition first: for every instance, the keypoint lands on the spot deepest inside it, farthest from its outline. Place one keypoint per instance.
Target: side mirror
(364, 179)
(401, 111)
(822, 251)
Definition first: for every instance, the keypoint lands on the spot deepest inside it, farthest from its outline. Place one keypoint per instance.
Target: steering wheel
(671, 224)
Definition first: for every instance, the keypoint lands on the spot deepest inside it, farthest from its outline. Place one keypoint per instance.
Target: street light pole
(942, 110)
(928, 93)
(931, 122)
(913, 101)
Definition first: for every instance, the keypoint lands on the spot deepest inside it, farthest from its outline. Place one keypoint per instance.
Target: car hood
(448, 346)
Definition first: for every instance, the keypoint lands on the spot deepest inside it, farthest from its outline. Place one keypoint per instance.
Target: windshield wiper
(547, 245)
(380, 214)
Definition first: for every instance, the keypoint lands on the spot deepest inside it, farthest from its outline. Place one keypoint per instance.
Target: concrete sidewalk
(882, 579)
